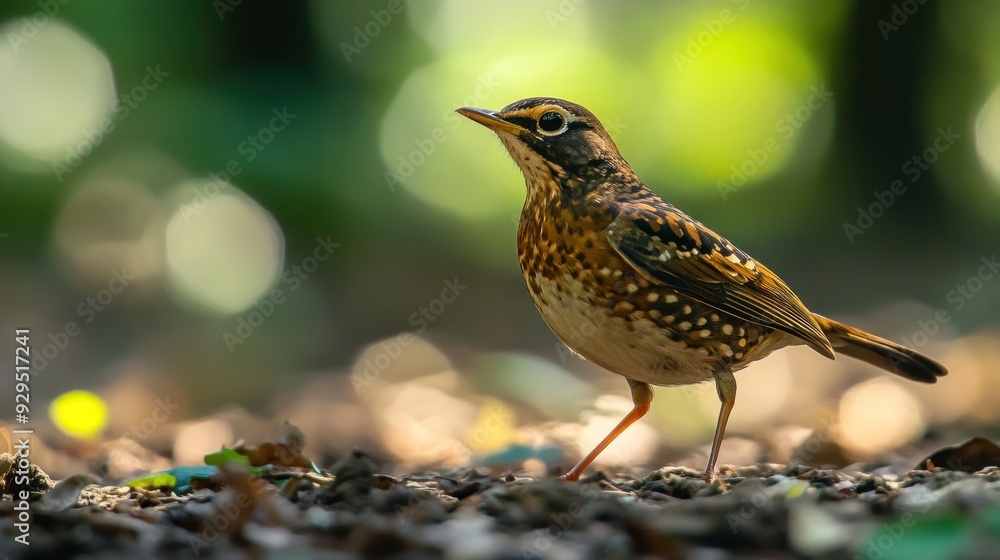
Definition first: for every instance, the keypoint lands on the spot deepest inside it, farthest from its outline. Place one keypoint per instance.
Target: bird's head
(552, 136)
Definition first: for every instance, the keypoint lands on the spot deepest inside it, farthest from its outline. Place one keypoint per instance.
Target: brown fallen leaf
(286, 452)
(972, 456)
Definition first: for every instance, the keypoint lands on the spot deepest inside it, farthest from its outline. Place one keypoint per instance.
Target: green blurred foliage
(368, 87)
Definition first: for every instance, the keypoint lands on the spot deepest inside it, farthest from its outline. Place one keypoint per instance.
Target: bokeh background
(218, 216)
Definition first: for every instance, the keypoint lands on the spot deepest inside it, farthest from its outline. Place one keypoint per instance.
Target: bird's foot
(571, 476)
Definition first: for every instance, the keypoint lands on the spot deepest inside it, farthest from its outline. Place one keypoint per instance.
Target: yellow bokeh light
(79, 413)
(57, 86)
(224, 251)
(879, 415)
(494, 428)
(736, 96)
(988, 136)
(446, 25)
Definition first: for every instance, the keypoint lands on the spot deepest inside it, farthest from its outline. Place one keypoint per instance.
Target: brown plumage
(635, 285)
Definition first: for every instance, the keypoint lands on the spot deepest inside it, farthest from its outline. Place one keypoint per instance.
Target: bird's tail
(880, 352)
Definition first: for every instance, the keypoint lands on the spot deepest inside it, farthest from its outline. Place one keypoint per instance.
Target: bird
(633, 284)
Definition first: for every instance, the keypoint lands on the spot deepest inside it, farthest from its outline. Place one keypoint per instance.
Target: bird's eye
(551, 122)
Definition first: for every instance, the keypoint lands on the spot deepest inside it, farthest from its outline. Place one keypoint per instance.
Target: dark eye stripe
(525, 122)
(529, 123)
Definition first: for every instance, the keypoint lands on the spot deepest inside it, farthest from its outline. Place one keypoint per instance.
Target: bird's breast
(584, 293)
(635, 347)
(602, 309)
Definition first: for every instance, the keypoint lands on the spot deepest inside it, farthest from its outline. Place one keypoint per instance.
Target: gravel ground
(760, 511)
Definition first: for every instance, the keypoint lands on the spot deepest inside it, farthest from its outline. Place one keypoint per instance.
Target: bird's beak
(489, 119)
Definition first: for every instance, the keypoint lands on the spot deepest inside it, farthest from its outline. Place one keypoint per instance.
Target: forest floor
(352, 511)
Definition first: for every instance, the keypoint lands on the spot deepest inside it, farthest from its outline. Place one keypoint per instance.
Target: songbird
(630, 282)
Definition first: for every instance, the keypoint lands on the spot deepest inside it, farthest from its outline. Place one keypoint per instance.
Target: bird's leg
(642, 395)
(725, 386)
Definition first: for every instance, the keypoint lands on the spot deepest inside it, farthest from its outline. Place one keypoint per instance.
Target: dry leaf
(971, 456)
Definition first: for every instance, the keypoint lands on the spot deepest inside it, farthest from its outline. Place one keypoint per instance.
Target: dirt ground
(352, 511)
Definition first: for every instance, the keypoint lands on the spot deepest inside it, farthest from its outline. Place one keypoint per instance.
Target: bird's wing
(670, 248)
